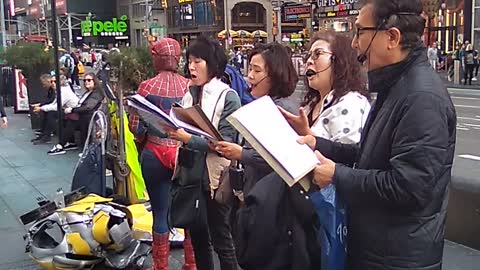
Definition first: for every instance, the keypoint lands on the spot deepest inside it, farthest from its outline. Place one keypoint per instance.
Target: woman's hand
(36, 109)
(229, 150)
(67, 110)
(298, 122)
(4, 122)
(177, 134)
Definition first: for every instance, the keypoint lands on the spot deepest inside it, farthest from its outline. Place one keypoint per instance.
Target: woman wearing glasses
(79, 116)
(336, 105)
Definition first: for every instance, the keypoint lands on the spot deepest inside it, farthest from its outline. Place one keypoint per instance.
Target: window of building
(123, 10)
(248, 13)
(138, 10)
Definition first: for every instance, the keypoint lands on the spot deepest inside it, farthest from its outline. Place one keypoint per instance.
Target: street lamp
(2, 25)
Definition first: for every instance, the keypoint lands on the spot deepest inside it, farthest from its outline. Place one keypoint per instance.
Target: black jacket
(255, 166)
(397, 194)
(269, 232)
(50, 97)
(90, 104)
(2, 108)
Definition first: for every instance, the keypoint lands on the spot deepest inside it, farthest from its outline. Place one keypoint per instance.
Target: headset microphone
(363, 56)
(311, 73)
(256, 84)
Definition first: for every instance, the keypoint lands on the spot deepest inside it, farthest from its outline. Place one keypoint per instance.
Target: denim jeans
(217, 234)
(158, 181)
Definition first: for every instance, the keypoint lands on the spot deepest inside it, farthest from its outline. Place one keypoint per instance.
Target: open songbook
(264, 127)
(192, 119)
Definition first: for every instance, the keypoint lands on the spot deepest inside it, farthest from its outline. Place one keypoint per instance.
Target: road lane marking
(468, 118)
(466, 106)
(470, 125)
(466, 98)
(461, 128)
(474, 91)
(472, 157)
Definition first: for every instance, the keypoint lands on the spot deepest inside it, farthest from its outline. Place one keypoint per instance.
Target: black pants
(48, 123)
(468, 73)
(83, 126)
(217, 234)
(69, 131)
(476, 69)
(75, 78)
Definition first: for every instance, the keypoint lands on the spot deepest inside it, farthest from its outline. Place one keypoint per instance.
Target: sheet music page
(265, 122)
(143, 101)
(149, 117)
(188, 127)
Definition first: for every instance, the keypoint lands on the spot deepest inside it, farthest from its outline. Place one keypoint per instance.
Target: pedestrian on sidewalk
(469, 64)
(78, 116)
(433, 55)
(69, 99)
(159, 152)
(395, 182)
(3, 115)
(48, 119)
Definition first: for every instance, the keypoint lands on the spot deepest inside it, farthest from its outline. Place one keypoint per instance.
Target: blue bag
(236, 81)
(332, 235)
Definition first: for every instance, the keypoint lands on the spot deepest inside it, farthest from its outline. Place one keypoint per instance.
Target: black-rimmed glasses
(358, 30)
(316, 54)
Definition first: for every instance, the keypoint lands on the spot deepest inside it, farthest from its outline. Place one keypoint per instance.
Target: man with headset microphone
(395, 181)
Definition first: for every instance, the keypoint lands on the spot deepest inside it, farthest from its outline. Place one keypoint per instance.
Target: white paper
(187, 126)
(155, 116)
(265, 122)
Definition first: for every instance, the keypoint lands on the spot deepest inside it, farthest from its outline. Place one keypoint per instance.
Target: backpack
(235, 80)
(68, 62)
(81, 68)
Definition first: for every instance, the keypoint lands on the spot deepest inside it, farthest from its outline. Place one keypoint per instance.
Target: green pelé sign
(114, 27)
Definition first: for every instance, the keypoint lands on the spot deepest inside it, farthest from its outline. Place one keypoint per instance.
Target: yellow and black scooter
(80, 230)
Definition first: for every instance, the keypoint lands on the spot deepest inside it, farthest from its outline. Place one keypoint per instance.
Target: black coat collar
(382, 79)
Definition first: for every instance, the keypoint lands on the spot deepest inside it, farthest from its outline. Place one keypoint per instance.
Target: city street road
(467, 159)
(463, 219)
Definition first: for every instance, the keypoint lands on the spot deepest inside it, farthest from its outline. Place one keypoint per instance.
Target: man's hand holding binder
(323, 172)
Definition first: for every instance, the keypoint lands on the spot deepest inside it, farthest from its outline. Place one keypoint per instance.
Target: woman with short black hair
(206, 63)
(271, 73)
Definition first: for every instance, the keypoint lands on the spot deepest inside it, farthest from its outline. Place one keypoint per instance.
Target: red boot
(160, 251)
(189, 254)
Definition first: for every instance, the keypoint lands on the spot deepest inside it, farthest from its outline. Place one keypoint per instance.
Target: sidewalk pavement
(27, 172)
(475, 84)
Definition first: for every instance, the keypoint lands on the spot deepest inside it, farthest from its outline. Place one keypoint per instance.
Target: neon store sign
(113, 27)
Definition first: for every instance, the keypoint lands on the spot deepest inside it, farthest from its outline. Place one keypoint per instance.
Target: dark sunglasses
(316, 54)
(88, 80)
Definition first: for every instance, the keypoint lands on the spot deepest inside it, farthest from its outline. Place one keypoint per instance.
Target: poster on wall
(21, 95)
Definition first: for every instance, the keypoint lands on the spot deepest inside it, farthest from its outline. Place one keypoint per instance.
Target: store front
(187, 19)
(101, 32)
(336, 15)
(447, 24)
